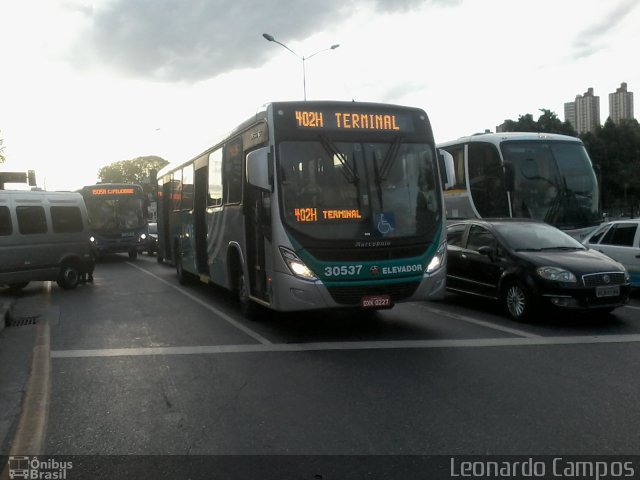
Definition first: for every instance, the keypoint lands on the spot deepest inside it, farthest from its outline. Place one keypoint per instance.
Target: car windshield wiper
(528, 249)
(562, 248)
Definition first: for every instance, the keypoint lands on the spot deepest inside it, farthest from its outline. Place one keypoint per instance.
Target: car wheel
(517, 300)
(69, 277)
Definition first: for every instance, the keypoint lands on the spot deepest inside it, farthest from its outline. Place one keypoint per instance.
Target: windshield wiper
(348, 171)
(528, 249)
(390, 158)
(562, 248)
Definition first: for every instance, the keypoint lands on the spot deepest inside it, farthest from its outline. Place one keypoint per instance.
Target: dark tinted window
(5, 221)
(454, 235)
(232, 172)
(486, 181)
(621, 234)
(66, 219)
(480, 237)
(31, 220)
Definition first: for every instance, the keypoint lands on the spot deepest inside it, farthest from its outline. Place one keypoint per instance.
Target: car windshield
(536, 236)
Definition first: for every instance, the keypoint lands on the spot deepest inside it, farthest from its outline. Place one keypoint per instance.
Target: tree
(131, 171)
(548, 122)
(2, 157)
(615, 151)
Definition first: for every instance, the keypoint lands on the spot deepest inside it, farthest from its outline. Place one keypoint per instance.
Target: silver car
(620, 240)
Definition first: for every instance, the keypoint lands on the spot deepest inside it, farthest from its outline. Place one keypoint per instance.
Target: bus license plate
(376, 301)
(608, 291)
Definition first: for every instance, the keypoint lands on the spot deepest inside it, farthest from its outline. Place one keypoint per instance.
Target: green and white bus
(544, 176)
(311, 205)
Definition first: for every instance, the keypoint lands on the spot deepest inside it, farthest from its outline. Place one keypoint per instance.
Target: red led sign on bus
(387, 122)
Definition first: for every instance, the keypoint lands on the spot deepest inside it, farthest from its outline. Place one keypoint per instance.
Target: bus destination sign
(113, 191)
(313, 215)
(342, 120)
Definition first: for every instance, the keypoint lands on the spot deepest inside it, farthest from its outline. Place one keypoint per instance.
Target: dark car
(526, 264)
(149, 241)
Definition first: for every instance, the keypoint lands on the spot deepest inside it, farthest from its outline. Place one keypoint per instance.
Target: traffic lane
(527, 400)
(458, 316)
(623, 320)
(403, 321)
(126, 308)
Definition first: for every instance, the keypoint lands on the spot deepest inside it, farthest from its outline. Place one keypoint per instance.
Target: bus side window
(214, 197)
(456, 178)
(232, 171)
(486, 180)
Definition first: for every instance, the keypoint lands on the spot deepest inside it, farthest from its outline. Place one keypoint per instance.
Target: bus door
(258, 238)
(201, 186)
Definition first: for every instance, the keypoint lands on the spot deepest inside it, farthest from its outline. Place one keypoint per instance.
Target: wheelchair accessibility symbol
(386, 223)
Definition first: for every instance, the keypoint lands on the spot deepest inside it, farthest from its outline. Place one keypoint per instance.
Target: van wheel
(69, 277)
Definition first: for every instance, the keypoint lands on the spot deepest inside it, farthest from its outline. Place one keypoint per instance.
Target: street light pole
(303, 58)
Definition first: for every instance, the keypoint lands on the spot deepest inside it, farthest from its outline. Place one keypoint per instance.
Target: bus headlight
(438, 259)
(297, 266)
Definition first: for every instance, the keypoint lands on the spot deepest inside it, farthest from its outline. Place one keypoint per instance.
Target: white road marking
(367, 345)
(255, 335)
(482, 323)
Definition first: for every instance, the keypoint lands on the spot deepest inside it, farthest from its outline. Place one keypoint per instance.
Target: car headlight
(143, 236)
(556, 274)
(297, 266)
(92, 239)
(438, 259)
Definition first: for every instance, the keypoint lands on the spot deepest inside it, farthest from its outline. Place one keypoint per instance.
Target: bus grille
(352, 295)
(597, 279)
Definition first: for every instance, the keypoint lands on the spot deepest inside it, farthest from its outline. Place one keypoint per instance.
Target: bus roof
(497, 138)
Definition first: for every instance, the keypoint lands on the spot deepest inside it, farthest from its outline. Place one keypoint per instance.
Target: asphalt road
(140, 365)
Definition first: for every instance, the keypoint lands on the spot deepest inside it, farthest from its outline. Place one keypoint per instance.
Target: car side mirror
(486, 250)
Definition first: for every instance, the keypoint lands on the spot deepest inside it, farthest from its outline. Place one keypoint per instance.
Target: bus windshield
(355, 190)
(553, 182)
(114, 214)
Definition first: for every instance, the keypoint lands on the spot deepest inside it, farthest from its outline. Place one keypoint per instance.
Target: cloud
(193, 40)
(593, 38)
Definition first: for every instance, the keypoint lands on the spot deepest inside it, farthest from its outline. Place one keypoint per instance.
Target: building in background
(587, 112)
(570, 114)
(621, 104)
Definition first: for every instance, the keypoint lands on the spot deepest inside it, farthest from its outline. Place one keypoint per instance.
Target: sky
(85, 83)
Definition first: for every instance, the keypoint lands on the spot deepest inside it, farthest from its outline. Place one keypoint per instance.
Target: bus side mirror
(509, 176)
(257, 165)
(447, 171)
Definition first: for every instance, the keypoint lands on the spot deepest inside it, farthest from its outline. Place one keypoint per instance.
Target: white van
(43, 236)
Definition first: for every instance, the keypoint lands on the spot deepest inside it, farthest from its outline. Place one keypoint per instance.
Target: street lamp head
(268, 37)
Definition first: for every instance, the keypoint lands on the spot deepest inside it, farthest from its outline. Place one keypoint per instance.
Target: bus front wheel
(248, 307)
